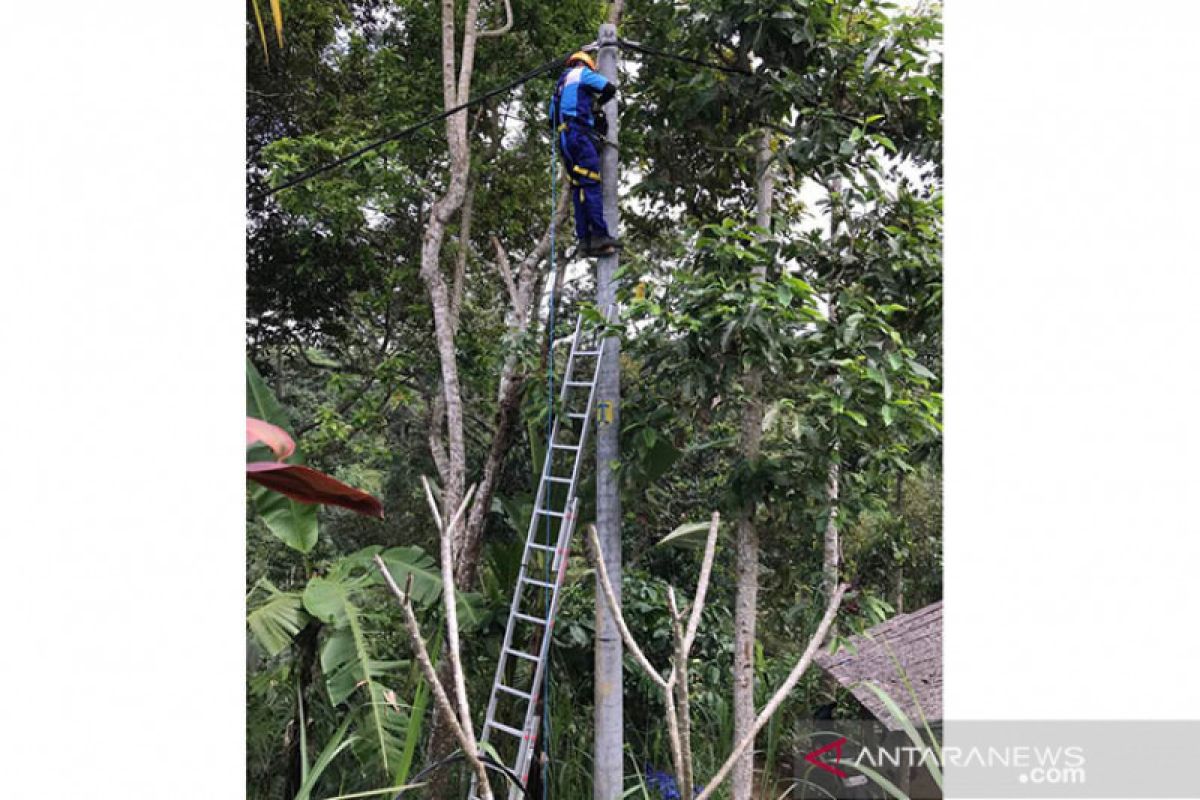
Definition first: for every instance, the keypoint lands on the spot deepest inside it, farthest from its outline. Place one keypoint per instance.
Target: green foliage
(295, 523)
(845, 325)
(276, 621)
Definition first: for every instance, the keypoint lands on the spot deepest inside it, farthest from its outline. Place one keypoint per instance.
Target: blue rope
(553, 275)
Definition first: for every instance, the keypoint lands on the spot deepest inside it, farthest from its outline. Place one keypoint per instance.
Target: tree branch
(449, 602)
(614, 13)
(710, 549)
(610, 598)
(777, 700)
(506, 272)
(683, 710)
(505, 28)
(439, 692)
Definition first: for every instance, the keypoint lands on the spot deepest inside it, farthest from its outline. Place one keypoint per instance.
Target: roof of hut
(914, 642)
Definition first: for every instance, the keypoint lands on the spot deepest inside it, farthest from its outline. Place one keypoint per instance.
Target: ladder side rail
(532, 722)
(525, 755)
(566, 530)
(531, 536)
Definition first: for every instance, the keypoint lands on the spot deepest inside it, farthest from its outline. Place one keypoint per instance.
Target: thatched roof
(915, 641)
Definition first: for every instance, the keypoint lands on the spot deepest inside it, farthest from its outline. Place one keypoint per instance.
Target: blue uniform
(571, 115)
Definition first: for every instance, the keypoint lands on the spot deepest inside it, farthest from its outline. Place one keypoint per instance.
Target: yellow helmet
(582, 56)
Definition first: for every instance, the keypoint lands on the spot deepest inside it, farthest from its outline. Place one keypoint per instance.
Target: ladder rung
(549, 548)
(523, 654)
(500, 726)
(556, 479)
(527, 618)
(546, 512)
(587, 352)
(543, 584)
(577, 415)
(516, 692)
(559, 446)
(578, 383)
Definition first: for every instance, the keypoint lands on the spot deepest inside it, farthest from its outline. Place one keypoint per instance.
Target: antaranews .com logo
(981, 759)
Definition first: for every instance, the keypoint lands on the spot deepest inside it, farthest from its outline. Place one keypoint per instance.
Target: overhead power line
(556, 63)
(638, 47)
(411, 129)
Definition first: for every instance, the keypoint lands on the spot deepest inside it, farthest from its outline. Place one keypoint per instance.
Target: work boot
(603, 246)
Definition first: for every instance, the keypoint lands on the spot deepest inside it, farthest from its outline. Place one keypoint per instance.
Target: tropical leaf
(277, 14)
(690, 535)
(277, 18)
(308, 485)
(392, 790)
(262, 30)
(294, 523)
(412, 560)
(427, 583)
(880, 781)
(660, 458)
(416, 715)
(910, 730)
(346, 659)
(336, 744)
(272, 436)
(276, 622)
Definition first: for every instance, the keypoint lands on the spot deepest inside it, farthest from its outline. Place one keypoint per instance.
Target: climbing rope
(553, 278)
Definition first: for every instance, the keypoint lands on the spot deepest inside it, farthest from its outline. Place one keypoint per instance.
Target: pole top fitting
(608, 35)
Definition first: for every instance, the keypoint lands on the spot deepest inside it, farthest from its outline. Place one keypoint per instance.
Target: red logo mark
(814, 757)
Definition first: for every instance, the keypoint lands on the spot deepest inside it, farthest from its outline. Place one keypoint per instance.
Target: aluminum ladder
(512, 711)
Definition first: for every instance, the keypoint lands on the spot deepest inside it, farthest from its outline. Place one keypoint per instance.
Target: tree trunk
(746, 600)
(831, 560)
(831, 563)
(456, 86)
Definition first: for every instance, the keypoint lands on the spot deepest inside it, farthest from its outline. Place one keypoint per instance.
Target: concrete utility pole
(609, 742)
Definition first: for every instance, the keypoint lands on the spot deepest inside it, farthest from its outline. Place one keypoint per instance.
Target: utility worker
(580, 88)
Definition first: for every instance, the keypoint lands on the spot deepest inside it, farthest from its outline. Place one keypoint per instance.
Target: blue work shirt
(574, 92)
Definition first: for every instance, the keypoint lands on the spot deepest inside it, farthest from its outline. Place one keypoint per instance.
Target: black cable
(304, 176)
(625, 44)
(458, 755)
(525, 78)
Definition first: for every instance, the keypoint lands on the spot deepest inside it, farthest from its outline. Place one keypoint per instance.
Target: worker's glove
(601, 123)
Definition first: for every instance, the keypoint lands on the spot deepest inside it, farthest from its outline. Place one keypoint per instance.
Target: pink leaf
(310, 486)
(272, 436)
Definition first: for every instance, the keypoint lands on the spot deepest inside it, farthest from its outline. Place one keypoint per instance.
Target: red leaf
(272, 436)
(310, 486)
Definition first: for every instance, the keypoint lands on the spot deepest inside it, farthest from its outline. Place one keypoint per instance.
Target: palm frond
(277, 621)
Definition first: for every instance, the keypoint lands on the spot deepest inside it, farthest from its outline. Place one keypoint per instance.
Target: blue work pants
(583, 167)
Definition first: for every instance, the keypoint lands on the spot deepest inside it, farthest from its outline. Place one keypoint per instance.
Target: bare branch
(613, 609)
(433, 506)
(677, 751)
(710, 549)
(505, 28)
(467, 743)
(683, 710)
(776, 701)
(614, 13)
(505, 272)
(449, 603)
